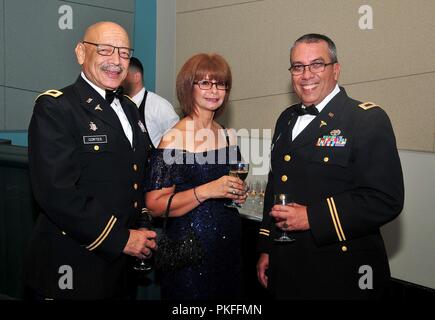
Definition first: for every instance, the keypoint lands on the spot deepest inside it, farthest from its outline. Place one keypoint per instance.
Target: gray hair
(314, 38)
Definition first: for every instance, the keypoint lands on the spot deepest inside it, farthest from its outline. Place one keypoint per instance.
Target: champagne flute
(252, 192)
(284, 200)
(240, 170)
(261, 190)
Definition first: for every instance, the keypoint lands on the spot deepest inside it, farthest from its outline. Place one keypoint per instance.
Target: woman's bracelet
(197, 199)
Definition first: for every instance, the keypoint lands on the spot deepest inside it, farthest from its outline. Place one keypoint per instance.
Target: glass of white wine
(284, 200)
(261, 190)
(240, 170)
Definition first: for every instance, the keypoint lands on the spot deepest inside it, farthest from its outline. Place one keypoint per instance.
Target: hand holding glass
(144, 265)
(284, 200)
(239, 170)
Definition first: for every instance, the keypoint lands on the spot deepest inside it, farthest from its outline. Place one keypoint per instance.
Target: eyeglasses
(108, 50)
(315, 67)
(207, 85)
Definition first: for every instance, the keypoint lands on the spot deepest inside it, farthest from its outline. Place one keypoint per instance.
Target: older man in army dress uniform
(338, 160)
(87, 164)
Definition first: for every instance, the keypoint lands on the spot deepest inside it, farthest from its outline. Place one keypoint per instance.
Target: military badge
(98, 108)
(323, 123)
(333, 140)
(92, 126)
(367, 105)
(52, 93)
(89, 100)
(335, 132)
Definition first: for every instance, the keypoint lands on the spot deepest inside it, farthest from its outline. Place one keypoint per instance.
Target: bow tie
(308, 110)
(110, 95)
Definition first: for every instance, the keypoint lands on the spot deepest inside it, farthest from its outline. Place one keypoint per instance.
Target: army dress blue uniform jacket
(344, 166)
(88, 181)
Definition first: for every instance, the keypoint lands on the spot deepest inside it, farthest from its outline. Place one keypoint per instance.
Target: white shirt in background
(160, 115)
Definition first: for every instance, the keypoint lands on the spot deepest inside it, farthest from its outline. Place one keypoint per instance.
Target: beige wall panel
(255, 37)
(192, 5)
(412, 113)
(257, 57)
(409, 102)
(409, 239)
(260, 113)
(401, 42)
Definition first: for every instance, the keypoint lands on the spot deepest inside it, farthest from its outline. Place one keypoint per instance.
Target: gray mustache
(112, 68)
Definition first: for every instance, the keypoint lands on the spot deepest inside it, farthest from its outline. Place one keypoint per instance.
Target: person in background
(87, 171)
(337, 159)
(199, 184)
(156, 113)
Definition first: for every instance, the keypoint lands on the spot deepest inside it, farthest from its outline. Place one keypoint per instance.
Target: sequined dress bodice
(218, 227)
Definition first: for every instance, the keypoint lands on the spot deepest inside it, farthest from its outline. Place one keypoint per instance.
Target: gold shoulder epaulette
(367, 105)
(53, 93)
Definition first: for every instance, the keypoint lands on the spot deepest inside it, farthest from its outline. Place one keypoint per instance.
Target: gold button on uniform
(135, 167)
(135, 186)
(96, 148)
(284, 178)
(325, 159)
(287, 158)
(135, 204)
(344, 248)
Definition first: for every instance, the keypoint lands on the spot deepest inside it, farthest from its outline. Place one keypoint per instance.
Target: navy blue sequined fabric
(217, 226)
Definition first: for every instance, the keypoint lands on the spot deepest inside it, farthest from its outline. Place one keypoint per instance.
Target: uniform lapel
(291, 123)
(131, 118)
(94, 103)
(283, 134)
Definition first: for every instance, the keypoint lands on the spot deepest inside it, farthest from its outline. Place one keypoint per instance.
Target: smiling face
(106, 72)
(310, 87)
(208, 99)
(203, 66)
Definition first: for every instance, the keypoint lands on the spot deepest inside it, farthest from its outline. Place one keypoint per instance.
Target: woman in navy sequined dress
(192, 161)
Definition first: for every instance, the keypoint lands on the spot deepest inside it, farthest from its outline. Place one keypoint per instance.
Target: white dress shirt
(303, 121)
(159, 115)
(116, 106)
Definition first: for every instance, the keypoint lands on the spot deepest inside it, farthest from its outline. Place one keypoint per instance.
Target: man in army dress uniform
(337, 158)
(87, 165)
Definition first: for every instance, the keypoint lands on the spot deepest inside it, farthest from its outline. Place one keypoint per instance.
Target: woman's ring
(285, 225)
(233, 192)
